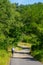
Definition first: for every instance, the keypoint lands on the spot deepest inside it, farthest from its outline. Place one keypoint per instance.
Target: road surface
(23, 58)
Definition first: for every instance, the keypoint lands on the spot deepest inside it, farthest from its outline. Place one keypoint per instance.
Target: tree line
(21, 23)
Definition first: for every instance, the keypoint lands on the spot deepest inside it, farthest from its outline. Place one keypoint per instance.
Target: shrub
(39, 56)
(34, 47)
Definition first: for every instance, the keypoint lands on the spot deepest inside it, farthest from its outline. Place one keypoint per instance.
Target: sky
(26, 1)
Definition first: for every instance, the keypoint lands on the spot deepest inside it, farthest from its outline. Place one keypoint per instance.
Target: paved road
(25, 61)
(23, 58)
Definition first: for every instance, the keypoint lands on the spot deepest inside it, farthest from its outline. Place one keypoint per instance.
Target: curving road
(23, 58)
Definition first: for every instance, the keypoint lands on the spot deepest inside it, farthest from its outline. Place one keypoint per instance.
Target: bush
(39, 56)
(34, 47)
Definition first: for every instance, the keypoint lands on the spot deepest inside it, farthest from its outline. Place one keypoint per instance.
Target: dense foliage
(21, 23)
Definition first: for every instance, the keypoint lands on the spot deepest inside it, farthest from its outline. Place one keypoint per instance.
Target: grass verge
(4, 57)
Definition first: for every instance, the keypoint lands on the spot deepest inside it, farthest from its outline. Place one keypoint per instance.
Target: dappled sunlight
(24, 44)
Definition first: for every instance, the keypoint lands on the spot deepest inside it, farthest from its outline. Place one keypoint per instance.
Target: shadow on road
(23, 47)
(23, 52)
(26, 58)
(29, 59)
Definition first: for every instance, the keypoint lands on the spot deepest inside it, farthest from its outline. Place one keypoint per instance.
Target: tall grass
(4, 57)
